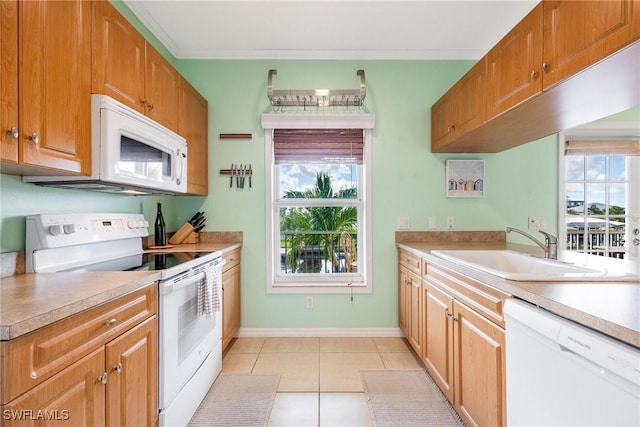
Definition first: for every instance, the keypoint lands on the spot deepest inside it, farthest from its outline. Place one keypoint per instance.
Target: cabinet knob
(534, 74)
(34, 138)
(13, 132)
(118, 368)
(103, 378)
(545, 66)
(110, 322)
(150, 107)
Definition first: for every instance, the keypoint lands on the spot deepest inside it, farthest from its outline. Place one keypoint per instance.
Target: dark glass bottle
(160, 229)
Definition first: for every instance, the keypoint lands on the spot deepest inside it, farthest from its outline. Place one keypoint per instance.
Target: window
(601, 192)
(318, 221)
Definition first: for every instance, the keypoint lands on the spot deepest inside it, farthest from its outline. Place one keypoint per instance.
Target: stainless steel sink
(524, 267)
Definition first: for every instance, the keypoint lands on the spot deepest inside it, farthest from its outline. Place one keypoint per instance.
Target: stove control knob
(142, 224)
(55, 230)
(132, 224)
(69, 228)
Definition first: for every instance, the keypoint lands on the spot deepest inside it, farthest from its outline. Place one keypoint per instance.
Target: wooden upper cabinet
(461, 109)
(130, 70)
(193, 125)
(514, 65)
(118, 57)
(55, 85)
(162, 85)
(9, 81)
(570, 45)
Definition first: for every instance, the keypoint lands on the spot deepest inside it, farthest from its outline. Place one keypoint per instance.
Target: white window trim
(363, 121)
(597, 129)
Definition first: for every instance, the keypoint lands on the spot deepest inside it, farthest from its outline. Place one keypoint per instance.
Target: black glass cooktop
(152, 261)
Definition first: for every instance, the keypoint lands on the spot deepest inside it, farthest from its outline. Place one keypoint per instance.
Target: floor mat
(237, 400)
(407, 398)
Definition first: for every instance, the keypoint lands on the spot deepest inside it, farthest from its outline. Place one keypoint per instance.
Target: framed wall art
(464, 178)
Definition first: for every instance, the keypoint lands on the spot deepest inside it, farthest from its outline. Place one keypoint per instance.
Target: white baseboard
(318, 332)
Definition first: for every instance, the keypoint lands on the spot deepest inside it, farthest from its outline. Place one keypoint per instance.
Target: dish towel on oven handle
(208, 295)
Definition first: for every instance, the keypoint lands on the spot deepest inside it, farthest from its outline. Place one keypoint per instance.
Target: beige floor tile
(347, 345)
(239, 363)
(294, 410)
(247, 345)
(399, 361)
(344, 410)
(391, 345)
(340, 372)
(291, 345)
(299, 372)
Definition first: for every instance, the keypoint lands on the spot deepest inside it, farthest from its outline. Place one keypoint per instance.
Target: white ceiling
(324, 29)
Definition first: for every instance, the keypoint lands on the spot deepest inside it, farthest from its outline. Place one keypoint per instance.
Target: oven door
(186, 339)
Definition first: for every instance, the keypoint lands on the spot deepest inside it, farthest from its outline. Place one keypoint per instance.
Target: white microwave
(130, 153)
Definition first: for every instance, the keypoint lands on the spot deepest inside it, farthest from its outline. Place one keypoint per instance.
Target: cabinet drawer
(32, 358)
(485, 299)
(410, 261)
(232, 258)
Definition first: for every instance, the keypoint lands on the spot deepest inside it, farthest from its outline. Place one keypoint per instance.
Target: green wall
(408, 180)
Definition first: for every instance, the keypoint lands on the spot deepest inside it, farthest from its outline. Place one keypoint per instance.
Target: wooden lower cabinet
(84, 375)
(463, 350)
(479, 368)
(73, 397)
(437, 354)
(132, 382)
(231, 308)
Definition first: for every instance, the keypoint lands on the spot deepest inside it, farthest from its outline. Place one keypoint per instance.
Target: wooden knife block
(185, 234)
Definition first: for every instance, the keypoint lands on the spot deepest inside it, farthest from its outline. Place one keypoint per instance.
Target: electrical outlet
(403, 223)
(432, 223)
(450, 223)
(309, 302)
(537, 222)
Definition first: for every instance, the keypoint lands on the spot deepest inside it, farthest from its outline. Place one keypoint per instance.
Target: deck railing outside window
(597, 242)
(316, 252)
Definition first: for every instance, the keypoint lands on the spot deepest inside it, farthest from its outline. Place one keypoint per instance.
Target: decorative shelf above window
(304, 98)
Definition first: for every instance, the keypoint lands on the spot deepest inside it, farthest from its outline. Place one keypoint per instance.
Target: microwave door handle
(181, 157)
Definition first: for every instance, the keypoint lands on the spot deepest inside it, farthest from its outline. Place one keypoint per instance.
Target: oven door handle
(169, 287)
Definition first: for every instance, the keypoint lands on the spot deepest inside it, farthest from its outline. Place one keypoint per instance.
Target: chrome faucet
(550, 245)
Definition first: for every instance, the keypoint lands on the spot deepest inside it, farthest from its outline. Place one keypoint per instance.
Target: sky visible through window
(302, 176)
(596, 171)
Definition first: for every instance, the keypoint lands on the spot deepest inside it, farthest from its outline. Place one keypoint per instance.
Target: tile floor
(319, 377)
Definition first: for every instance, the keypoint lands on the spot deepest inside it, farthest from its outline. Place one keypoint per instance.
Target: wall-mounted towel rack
(315, 97)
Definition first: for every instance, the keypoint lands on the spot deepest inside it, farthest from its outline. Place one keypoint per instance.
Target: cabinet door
(571, 45)
(442, 122)
(231, 313)
(161, 89)
(415, 313)
(55, 84)
(404, 293)
(9, 80)
(470, 98)
(193, 125)
(514, 65)
(74, 396)
(132, 385)
(118, 51)
(479, 370)
(437, 353)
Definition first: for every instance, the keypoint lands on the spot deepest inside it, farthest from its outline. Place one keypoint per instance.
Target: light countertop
(31, 301)
(612, 308)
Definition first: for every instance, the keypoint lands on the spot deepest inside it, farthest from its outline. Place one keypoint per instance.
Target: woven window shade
(629, 147)
(318, 145)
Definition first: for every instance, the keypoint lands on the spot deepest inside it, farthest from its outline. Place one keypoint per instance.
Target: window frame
(336, 284)
(601, 131)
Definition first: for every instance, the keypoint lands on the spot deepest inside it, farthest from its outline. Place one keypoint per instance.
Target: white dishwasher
(560, 373)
